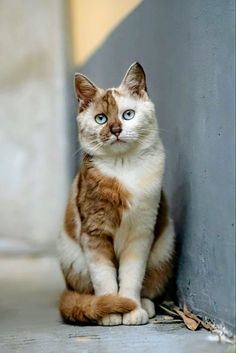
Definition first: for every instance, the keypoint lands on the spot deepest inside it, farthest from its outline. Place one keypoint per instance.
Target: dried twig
(168, 310)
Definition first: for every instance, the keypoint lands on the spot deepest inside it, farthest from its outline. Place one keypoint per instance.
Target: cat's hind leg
(73, 265)
(159, 271)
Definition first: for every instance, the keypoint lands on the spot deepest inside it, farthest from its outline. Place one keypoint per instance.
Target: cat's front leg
(133, 261)
(100, 257)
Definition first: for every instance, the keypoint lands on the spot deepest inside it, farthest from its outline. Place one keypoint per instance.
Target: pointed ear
(135, 79)
(85, 90)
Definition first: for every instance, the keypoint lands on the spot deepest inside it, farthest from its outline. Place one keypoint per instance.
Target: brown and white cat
(117, 247)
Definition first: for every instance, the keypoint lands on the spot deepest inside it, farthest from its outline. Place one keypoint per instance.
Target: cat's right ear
(85, 90)
(135, 80)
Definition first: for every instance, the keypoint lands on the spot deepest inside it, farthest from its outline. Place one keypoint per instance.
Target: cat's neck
(146, 154)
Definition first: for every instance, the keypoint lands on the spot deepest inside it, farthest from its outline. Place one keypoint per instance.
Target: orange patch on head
(106, 104)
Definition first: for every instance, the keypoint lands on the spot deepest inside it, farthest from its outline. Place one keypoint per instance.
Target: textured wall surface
(187, 48)
(33, 133)
(90, 28)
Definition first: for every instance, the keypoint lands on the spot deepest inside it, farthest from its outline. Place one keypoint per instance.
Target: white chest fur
(142, 177)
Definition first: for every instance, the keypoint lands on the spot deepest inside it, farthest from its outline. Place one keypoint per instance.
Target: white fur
(164, 246)
(138, 316)
(149, 307)
(103, 277)
(141, 172)
(142, 176)
(111, 320)
(133, 265)
(70, 254)
(140, 130)
(145, 196)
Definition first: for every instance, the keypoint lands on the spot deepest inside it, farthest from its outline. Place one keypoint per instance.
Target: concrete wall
(187, 48)
(92, 21)
(33, 133)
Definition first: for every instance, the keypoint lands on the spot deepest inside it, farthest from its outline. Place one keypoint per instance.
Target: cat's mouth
(118, 142)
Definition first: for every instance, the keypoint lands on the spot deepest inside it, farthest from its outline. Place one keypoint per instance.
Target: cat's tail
(75, 307)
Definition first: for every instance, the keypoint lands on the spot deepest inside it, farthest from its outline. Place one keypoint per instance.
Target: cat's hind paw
(149, 307)
(136, 317)
(111, 320)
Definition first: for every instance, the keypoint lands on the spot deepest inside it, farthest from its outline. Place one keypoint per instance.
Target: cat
(117, 247)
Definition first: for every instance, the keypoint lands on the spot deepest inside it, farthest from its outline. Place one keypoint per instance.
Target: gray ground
(29, 320)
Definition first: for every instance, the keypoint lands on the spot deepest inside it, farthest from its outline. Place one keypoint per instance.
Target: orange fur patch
(101, 201)
(85, 91)
(107, 105)
(78, 282)
(157, 278)
(75, 307)
(69, 220)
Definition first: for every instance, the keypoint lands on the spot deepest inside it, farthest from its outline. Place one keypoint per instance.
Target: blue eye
(128, 114)
(101, 119)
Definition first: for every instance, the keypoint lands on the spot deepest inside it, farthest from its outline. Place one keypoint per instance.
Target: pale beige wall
(92, 21)
(33, 133)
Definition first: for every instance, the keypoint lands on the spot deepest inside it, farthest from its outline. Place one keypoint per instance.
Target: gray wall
(187, 49)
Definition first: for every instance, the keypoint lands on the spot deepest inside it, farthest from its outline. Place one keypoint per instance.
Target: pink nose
(116, 130)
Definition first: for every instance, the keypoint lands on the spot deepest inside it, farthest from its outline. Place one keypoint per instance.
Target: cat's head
(115, 121)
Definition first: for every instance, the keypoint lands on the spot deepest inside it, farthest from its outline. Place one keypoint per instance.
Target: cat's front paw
(111, 320)
(136, 317)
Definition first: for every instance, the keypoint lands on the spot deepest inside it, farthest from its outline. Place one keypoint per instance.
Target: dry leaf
(192, 321)
(206, 324)
(189, 322)
(191, 315)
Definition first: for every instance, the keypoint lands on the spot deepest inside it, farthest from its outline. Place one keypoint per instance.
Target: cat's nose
(116, 130)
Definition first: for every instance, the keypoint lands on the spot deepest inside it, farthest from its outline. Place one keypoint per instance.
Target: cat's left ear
(85, 90)
(135, 80)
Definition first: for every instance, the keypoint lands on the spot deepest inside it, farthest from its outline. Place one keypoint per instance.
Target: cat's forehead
(105, 101)
(111, 100)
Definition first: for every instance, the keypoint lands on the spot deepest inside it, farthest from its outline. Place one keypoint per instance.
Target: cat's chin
(119, 146)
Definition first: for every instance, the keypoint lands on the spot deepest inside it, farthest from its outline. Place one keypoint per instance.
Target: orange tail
(75, 307)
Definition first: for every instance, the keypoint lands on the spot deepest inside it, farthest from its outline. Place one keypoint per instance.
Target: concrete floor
(29, 320)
